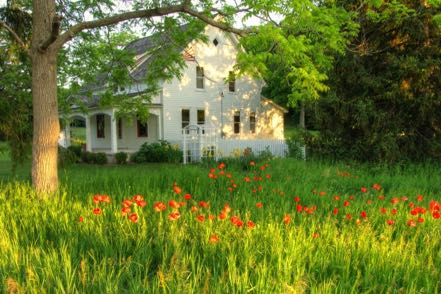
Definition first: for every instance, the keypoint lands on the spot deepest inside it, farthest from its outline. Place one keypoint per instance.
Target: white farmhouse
(202, 97)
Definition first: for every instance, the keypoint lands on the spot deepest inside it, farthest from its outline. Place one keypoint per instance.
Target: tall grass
(44, 247)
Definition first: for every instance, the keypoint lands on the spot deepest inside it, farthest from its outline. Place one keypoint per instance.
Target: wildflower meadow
(280, 226)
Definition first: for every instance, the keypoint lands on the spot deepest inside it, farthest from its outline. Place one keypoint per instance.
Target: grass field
(333, 238)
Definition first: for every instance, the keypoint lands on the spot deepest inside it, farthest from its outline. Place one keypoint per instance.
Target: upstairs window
(100, 131)
(199, 77)
(119, 128)
(252, 122)
(231, 81)
(143, 129)
(215, 42)
(236, 122)
(185, 117)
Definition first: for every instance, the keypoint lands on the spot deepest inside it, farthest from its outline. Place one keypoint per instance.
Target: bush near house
(161, 151)
(121, 158)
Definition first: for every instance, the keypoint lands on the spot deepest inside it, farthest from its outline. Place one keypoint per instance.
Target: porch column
(88, 134)
(113, 135)
(160, 134)
(67, 133)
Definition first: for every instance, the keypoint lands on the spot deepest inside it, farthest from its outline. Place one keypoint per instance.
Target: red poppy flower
(297, 199)
(411, 223)
(381, 197)
(137, 198)
(376, 187)
(363, 189)
(351, 197)
(96, 198)
(404, 198)
(211, 176)
(369, 202)
(226, 208)
(394, 211)
(211, 217)
(105, 198)
(200, 218)
(212, 170)
(127, 203)
(268, 177)
(383, 210)
(97, 211)
(222, 216)
(421, 220)
(346, 203)
(411, 204)
(436, 215)
(125, 210)
(420, 198)
(322, 193)
(182, 203)
(213, 239)
(315, 235)
(336, 197)
(173, 204)
(133, 218)
(413, 212)
(259, 204)
(177, 190)
(348, 216)
(141, 203)
(363, 214)
(434, 205)
(174, 216)
(262, 167)
(221, 165)
(194, 209)
(335, 211)
(395, 200)
(204, 204)
(299, 208)
(80, 219)
(250, 224)
(247, 179)
(159, 206)
(229, 175)
(390, 222)
(221, 173)
(287, 219)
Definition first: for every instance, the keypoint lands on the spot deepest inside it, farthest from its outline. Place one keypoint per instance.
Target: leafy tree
(385, 103)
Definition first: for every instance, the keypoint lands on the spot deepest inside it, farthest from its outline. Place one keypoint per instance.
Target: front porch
(105, 132)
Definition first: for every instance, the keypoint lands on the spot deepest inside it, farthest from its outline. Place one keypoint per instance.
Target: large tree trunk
(45, 104)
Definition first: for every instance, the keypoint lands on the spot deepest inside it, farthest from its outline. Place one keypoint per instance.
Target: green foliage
(385, 103)
(66, 157)
(161, 151)
(100, 158)
(76, 149)
(121, 157)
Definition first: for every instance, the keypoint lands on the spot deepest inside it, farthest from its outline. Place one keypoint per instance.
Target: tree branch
(147, 13)
(56, 23)
(15, 36)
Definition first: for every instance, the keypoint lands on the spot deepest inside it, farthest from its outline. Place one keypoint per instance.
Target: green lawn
(45, 248)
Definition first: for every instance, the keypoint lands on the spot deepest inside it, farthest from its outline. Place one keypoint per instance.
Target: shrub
(66, 157)
(161, 151)
(100, 158)
(76, 149)
(87, 157)
(121, 158)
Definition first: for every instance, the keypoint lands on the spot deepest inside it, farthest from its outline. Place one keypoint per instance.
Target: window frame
(252, 122)
(119, 128)
(187, 123)
(200, 77)
(236, 123)
(139, 127)
(100, 120)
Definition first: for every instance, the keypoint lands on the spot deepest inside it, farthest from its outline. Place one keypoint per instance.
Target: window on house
(100, 126)
(231, 82)
(201, 117)
(185, 117)
(119, 128)
(143, 129)
(237, 122)
(199, 77)
(253, 122)
(215, 42)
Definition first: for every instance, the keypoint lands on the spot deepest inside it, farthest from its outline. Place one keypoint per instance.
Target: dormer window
(215, 42)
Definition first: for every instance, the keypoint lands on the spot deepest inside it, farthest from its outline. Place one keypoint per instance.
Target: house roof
(274, 104)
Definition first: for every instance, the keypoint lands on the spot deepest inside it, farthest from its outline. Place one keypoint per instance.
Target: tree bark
(44, 100)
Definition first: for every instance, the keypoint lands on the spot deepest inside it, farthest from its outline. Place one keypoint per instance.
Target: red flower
(226, 208)
(421, 220)
(177, 190)
(336, 197)
(211, 217)
(369, 202)
(222, 216)
(174, 216)
(221, 173)
(348, 216)
(420, 198)
(411, 223)
(204, 204)
(381, 197)
(212, 176)
(96, 198)
(315, 235)
(262, 167)
(259, 204)
(159, 206)
(212, 170)
(81, 219)
(351, 197)
(252, 163)
(247, 179)
(187, 196)
(105, 198)
(346, 203)
(363, 189)
(287, 219)
(127, 203)
(137, 198)
(213, 239)
(297, 199)
(413, 212)
(436, 215)
(395, 200)
(173, 204)
(133, 218)
(322, 193)
(125, 210)
(404, 198)
(299, 208)
(268, 176)
(250, 224)
(383, 210)
(390, 222)
(411, 204)
(200, 218)
(394, 211)
(194, 209)
(363, 214)
(141, 203)
(97, 211)
(335, 212)
(221, 165)
(376, 187)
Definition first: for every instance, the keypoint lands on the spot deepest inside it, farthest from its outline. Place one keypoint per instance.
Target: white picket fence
(234, 147)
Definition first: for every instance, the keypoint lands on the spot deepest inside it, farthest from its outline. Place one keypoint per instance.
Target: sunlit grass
(44, 247)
